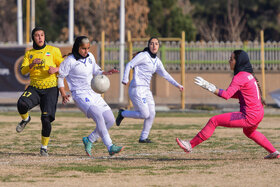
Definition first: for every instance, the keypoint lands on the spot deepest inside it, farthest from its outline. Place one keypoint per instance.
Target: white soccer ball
(100, 84)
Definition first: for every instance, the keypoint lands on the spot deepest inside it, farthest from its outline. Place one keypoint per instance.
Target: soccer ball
(100, 84)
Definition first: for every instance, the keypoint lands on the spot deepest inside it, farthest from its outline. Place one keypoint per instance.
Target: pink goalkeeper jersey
(244, 87)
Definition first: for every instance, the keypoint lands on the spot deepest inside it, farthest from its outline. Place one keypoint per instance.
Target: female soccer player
(78, 69)
(144, 64)
(244, 86)
(41, 63)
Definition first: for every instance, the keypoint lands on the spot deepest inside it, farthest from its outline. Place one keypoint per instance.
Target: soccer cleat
(119, 117)
(115, 149)
(22, 124)
(44, 152)
(145, 141)
(185, 145)
(274, 155)
(88, 146)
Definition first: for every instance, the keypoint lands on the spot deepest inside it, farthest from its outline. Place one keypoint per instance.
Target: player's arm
(65, 97)
(57, 60)
(138, 59)
(163, 73)
(26, 65)
(64, 69)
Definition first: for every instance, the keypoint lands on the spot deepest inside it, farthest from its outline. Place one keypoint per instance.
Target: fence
(203, 56)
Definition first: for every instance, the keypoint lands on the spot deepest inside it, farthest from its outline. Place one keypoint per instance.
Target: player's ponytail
(263, 101)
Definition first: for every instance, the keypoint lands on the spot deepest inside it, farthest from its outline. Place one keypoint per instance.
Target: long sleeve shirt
(79, 73)
(39, 75)
(245, 88)
(144, 67)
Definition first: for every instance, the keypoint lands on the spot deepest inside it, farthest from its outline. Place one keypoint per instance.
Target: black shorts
(47, 98)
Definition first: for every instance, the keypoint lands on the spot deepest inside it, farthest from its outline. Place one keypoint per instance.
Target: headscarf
(242, 62)
(148, 48)
(35, 46)
(78, 42)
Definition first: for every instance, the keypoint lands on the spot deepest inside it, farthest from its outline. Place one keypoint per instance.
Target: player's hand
(65, 99)
(181, 88)
(205, 84)
(34, 62)
(37, 61)
(110, 72)
(53, 70)
(124, 83)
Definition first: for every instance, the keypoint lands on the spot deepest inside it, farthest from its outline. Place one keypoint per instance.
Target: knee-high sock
(148, 122)
(101, 128)
(260, 139)
(45, 142)
(204, 134)
(109, 121)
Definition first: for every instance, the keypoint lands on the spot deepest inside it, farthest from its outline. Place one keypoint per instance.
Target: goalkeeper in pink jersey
(244, 86)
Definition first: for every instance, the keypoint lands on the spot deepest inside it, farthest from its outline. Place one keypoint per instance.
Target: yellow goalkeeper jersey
(39, 76)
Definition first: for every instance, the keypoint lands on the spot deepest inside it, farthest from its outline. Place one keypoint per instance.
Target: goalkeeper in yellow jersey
(42, 63)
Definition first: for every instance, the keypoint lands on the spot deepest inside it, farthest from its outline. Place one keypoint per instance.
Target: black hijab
(148, 48)
(35, 46)
(242, 62)
(75, 50)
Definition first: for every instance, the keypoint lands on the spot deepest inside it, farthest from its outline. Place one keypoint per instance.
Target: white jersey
(144, 67)
(79, 73)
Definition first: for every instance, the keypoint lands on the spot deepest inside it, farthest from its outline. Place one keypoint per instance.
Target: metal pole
(102, 50)
(27, 21)
(71, 22)
(19, 22)
(32, 14)
(183, 69)
(130, 55)
(262, 64)
(122, 45)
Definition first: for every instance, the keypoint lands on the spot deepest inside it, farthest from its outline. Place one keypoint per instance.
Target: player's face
(39, 38)
(232, 61)
(154, 45)
(84, 49)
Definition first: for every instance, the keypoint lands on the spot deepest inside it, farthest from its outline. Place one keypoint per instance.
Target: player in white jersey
(144, 65)
(78, 69)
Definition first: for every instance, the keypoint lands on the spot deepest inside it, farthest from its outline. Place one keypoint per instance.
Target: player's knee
(22, 106)
(248, 133)
(145, 114)
(46, 125)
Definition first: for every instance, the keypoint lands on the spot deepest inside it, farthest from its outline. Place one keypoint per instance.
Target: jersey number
(257, 90)
(26, 94)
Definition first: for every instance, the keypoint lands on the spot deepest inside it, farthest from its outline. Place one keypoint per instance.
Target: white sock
(26, 119)
(44, 146)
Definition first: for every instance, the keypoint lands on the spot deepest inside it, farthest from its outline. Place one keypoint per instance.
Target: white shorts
(141, 97)
(86, 98)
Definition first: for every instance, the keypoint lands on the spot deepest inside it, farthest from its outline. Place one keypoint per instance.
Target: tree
(166, 19)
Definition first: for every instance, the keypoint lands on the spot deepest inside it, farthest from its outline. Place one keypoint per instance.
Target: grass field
(228, 158)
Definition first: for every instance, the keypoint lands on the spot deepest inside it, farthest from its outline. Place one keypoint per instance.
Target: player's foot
(88, 146)
(115, 149)
(274, 155)
(145, 141)
(44, 152)
(22, 124)
(185, 145)
(119, 117)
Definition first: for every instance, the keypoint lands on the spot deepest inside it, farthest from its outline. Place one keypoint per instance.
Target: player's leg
(260, 139)
(48, 106)
(26, 102)
(96, 113)
(148, 122)
(233, 120)
(109, 121)
(138, 97)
